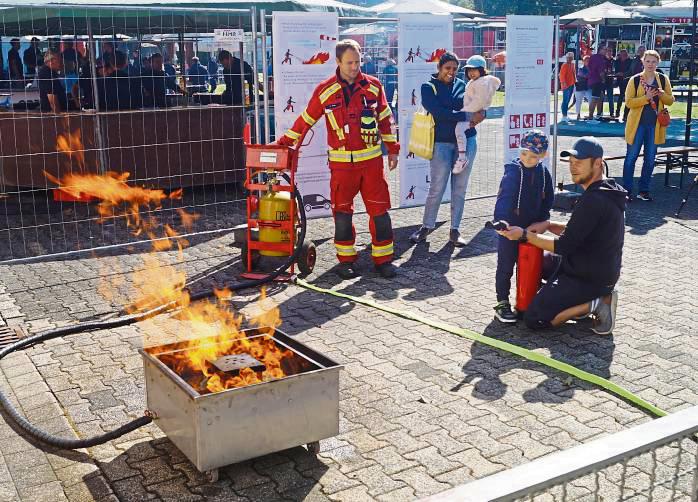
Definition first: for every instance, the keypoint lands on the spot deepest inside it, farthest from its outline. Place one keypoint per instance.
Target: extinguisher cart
(273, 224)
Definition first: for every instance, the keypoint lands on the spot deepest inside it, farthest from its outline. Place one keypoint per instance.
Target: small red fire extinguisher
(529, 272)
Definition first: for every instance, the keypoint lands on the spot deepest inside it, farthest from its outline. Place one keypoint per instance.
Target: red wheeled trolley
(273, 224)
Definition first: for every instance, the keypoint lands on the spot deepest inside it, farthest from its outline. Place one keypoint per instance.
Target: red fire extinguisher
(529, 272)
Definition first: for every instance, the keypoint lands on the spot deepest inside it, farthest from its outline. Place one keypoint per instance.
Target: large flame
(218, 334)
(112, 191)
(212, 328)
(319, 58)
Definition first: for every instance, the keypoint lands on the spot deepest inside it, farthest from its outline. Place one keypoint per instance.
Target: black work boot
(346, 271)
(387, 270)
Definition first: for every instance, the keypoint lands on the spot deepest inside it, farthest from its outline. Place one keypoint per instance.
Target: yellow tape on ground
(504, 346)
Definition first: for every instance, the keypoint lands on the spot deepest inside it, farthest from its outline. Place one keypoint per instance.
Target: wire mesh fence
(125, 91)
(655, 461)
(143, 94)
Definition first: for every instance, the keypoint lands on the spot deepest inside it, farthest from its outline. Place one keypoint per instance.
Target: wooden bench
(682, 157)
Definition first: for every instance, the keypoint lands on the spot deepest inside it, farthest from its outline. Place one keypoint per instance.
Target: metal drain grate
(10, 335)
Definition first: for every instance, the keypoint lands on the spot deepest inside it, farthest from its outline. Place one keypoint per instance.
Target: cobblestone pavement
(421, 410)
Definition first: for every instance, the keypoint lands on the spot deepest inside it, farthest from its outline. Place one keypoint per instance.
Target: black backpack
(662, 81)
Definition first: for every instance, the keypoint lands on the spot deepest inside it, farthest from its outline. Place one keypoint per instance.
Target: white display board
(528, 76)
(304, 56)
(422, 38)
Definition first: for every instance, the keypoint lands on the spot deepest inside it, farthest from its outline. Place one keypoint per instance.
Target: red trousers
(368, 179)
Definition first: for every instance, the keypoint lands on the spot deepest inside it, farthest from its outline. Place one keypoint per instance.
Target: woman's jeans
(566, 96)
(580, 96)
(445, 155)
(644, 135)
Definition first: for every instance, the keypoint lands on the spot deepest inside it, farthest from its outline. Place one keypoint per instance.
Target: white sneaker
(565, 120)
(460, 165)
(593, 121)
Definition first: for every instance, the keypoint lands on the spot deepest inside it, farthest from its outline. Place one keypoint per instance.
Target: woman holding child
(445, 97)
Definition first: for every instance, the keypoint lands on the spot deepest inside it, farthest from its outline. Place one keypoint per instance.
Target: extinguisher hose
(510, 348)
(71, 444)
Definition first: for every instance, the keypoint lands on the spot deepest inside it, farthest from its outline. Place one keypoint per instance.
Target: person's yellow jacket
(635, 99)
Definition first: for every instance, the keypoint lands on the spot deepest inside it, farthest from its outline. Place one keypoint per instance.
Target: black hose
(73, 444)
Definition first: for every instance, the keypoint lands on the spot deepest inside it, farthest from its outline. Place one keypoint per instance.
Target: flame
(112, 191)
(436, 55)
(213, 328)
(319, 58)
(217, 333)
(71, 145)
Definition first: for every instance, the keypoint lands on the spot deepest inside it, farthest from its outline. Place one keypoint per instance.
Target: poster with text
(528, 73)
(304, 44)
(422, 39)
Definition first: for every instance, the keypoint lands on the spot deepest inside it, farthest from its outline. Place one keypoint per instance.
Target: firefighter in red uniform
(358, 121)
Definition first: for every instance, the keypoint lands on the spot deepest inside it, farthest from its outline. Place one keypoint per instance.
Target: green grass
(678, 110)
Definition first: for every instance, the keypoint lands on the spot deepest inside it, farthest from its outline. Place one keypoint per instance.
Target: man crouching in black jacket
(589, 248)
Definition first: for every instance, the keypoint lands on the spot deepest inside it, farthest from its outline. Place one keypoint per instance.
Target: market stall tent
(607, 12)
(394, 7)
(107, 17)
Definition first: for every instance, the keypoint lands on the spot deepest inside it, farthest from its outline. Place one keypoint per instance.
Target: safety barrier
(657, 460)
(190, 140)
(159, 122)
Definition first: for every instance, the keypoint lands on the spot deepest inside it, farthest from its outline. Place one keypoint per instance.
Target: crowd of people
(64, 78)
(596, 81)
(644, 90)
(584, 254)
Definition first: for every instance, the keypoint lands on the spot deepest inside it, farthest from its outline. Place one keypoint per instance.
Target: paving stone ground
(421, 410)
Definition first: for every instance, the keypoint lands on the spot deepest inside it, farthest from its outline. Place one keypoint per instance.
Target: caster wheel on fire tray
(314, 447)
(243, 256)
(212, 475)
(306, 258)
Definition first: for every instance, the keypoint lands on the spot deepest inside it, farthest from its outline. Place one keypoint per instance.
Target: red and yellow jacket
(358, 119)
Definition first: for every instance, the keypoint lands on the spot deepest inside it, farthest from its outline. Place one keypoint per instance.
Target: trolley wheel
(212, 475)
(307, 258)
(243, 256)
(314, 447)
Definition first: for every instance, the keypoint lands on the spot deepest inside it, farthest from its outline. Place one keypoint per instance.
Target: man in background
(597, 71)
(32, 58)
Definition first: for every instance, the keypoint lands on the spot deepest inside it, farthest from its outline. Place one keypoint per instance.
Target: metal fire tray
(222, 428)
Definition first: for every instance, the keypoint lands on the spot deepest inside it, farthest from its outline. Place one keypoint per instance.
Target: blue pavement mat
(675, 134)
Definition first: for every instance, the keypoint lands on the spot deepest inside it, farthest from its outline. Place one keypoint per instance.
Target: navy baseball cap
(587, 147)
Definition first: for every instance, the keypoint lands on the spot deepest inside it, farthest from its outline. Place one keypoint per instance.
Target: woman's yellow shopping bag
(422, 134)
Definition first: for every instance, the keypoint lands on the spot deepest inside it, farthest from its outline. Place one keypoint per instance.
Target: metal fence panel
(188, 137)
(657, 460)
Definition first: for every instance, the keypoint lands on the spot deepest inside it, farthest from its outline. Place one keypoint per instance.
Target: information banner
(422, 39)
(528, 75)
(304, 45)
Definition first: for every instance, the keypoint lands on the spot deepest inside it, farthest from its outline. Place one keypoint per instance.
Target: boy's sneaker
(645, 196)
(503, 312)
(420, 235)
(605, 314)
(460, 165)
